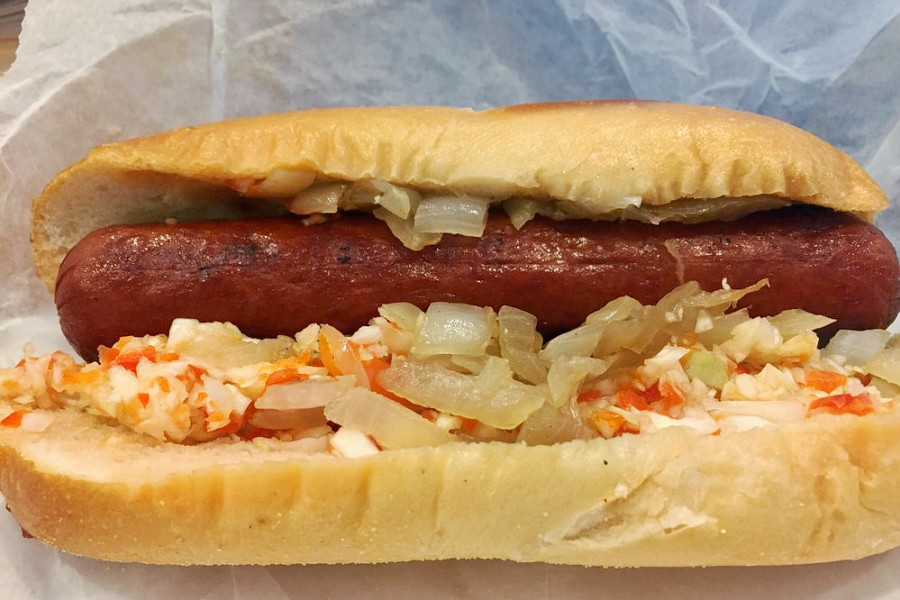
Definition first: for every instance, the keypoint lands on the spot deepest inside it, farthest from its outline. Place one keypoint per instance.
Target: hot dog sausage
(277, 275)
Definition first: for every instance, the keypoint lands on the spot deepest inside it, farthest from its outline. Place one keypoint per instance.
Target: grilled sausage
(278, 275)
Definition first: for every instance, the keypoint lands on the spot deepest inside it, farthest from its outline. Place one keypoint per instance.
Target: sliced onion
(623, 202)
(885, 364)
(343, 355)
(225, 397)
(454, 328)
(36, 421)
(690, 210)
(494, 375)
(796, 321)
(403, 230)
(298, 418)
(394, 338)
(490, 397)
(352, 443)
(361, 194)
(642, 337)
(472, 364)
(520, 342)
(615, 310)
(392, 425)
(751, 337)
(223, 345)
(702, 425)
(567, 374)
(400, 201)
(552, 425)
(520, 211)
(885, 388)
(281, 183)
(776, 411)
(581, 341)
(723, 298)
(463, 215)
(857, 347)
(738, 423)
(323, 198)
(304, 394)
(403, 314)
(721, 327)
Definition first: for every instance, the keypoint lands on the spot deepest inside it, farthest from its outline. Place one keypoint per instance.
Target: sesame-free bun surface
(820, 490)
(588, 153)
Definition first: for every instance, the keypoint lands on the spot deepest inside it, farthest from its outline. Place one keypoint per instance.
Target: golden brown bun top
(590, 153)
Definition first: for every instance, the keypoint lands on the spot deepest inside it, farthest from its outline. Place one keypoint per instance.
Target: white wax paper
(88, 73)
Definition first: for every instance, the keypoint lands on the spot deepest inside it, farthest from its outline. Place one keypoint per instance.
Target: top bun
(589, 153)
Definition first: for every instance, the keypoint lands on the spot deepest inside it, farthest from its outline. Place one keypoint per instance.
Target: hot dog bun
(820, 490)
(591, 154)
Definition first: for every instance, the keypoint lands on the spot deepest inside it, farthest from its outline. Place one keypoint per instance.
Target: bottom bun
(823, 489)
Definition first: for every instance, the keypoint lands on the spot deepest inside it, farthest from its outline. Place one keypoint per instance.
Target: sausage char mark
(274, 276)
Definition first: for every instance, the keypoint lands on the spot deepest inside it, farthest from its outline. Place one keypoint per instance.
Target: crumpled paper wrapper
(89, 75)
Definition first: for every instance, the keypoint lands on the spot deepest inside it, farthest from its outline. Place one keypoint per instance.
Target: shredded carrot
(130, 360)
(843, 404)
(14, 419)
(468, 425)
(610, 424)
(825, 381)
(107, 355)
(168, 357)
(143, 398)
(327, 356)
(374, 367)
(687, 340)
(181, 415)
(251, 433)
(131, 411)
(285, 376)
(191, 376)
(589, 396)
(746, 369)
(628, 397)
(163, 384)
(669, 395)
(77, 377)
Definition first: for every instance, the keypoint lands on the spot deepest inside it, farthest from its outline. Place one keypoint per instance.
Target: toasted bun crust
(820, 490)
(590, 153)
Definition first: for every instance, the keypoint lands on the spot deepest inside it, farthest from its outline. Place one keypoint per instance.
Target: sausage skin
(275, 276)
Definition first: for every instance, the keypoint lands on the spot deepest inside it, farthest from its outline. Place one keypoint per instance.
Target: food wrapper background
(89, 73)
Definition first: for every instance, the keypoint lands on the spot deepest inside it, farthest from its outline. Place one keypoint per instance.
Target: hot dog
(109, 285)
(678, 431)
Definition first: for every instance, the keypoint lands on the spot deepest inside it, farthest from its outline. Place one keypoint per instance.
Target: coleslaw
(457, 372)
